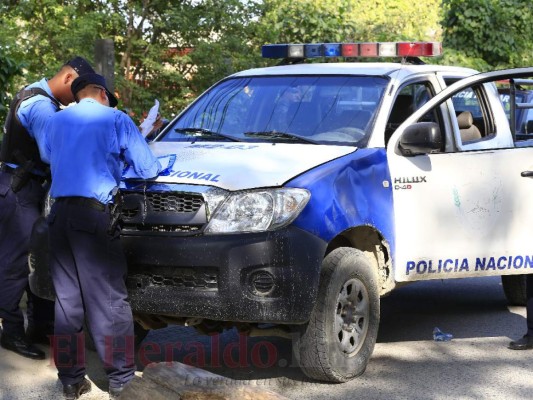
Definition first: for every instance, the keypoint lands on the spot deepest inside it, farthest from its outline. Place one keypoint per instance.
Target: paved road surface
(406, 364)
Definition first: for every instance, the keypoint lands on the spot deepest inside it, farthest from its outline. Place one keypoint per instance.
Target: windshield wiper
(205, 132)
(281, 135)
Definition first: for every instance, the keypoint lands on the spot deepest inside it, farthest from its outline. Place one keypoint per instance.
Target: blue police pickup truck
(295, 196)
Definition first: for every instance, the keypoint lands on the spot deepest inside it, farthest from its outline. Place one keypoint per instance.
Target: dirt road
(406, 364)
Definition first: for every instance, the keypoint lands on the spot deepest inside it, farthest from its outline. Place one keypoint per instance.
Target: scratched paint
(456, 199)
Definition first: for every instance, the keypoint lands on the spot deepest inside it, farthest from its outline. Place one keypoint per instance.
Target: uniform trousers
(529, 304)
(18, 213)
(88, 269)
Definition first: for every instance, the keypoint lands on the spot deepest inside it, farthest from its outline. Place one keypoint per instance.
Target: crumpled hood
(237, 166)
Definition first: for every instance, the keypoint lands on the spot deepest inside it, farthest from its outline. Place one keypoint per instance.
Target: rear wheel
(337, 342)
(514, 287)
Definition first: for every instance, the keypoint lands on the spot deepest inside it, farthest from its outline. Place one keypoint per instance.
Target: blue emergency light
(357, 49)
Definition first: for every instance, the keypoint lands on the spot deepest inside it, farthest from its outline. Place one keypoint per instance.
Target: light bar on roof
(358, 49)
(332, 49)
(350, 50)
(387, 50)
(283, 51)
(312, 50)
(427, 49)
(368, 49)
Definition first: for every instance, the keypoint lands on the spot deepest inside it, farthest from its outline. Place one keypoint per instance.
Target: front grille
(175, 202)
(159, 212)
(186, 278)
(162, 228)
(165, 202)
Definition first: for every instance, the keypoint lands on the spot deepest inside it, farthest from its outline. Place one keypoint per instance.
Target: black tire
(337, 342)
(514, 287)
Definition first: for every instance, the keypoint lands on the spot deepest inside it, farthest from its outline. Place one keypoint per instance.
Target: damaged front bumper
(269, 277)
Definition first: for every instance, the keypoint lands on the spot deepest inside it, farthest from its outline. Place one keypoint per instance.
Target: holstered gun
(21, 175)
(116, 212)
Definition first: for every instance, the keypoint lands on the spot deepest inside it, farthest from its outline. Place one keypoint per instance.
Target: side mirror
(421, 138)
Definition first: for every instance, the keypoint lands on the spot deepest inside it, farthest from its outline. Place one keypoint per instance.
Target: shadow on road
(467, 308)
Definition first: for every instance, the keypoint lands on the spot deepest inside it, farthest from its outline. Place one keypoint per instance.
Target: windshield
(297, 109)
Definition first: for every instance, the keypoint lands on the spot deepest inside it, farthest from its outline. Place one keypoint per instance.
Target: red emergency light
(424, 49)
(369, 49)
(349, 50)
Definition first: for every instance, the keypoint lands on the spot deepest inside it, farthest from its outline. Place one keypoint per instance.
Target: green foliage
(307, 21)
(225, 45)
(172, 51)
(49, 32)
(9, 68)
(459, 58)
(153, 42)
(396, 20)
(192, 45)
(495, 31)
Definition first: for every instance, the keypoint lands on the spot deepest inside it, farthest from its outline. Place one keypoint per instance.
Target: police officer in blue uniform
(87, 147)
(22, 174)
(526, 342)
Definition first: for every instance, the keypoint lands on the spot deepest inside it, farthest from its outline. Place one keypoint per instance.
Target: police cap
(80, 65)
(92, 79)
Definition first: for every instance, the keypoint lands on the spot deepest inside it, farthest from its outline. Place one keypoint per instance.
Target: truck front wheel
(337, 342)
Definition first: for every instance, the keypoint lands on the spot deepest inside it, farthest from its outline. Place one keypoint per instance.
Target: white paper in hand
(149, 121)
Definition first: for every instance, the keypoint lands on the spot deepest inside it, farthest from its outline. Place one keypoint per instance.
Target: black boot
(73, 392)
(22, 346)
(526, 343)
(114, 392)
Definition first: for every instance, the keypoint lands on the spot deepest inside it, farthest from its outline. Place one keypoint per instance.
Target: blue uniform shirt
(35, 112)
(87, 146)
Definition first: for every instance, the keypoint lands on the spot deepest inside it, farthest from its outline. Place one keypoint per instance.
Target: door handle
(526, 174)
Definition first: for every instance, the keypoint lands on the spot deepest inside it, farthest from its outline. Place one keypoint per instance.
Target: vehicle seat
(467, 128)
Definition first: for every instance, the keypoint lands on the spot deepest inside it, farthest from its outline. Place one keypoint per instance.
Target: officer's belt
(9, 169)
(82, 201)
